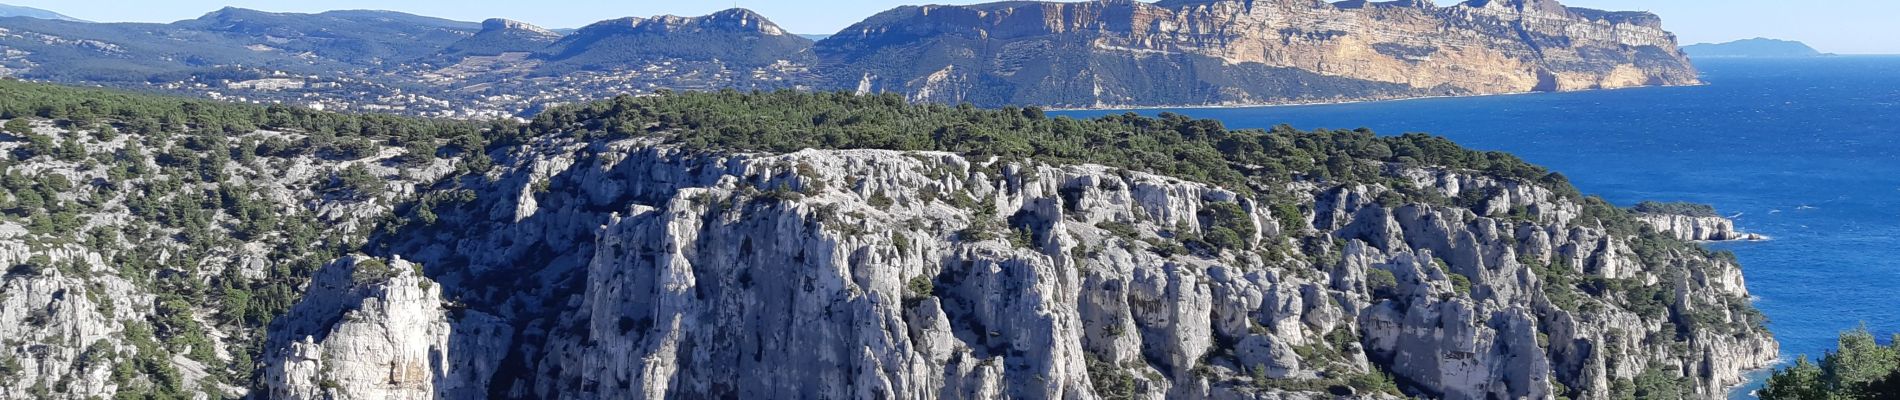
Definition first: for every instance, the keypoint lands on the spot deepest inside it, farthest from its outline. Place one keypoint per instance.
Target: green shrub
(1382, 284)
(1461, 284)
(1230, 226)
(9, 366)
(1111, 381)
(1659, 384)
(371, 271)
(1023, 238)
(1376, 381)
(19, 127)
(1291, 220)
(419, 153)
(1119, 229)
(920, 287)
(1225, 238)
(881, 201)
(1689, 209)
(1860, 368)
(357, 182)
(977, 232)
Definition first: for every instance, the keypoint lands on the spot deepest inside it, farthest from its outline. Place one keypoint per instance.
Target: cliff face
(737, 38)
(390, 341)
(580, 256)
(121, 303)
(628, 269)
(1697, 228)
(501, 36)
(1246, 51)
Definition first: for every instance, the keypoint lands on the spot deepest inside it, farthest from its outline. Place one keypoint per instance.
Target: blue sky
(1839, 26)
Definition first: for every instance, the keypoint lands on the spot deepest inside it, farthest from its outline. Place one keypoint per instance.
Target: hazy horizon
(1844, 26)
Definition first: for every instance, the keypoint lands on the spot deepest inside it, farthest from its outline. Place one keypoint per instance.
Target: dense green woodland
(166, 162)
(1172, 144)
(1861, 369)
(788, 121)
(1689, 209)
(189, 172)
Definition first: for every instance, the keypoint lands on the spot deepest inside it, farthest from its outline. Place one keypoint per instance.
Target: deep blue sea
(1806, 151)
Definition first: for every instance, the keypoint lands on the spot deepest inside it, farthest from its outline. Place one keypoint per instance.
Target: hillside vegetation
(159, 242)
(1861, 368)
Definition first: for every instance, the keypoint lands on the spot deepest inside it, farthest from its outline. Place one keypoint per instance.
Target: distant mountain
(1757, 47)
(30, 12)
(1091, 54)
(232, 37)
(389, 61)
(738, 37)
(503, 36)
(1218, 52)
(355, 37)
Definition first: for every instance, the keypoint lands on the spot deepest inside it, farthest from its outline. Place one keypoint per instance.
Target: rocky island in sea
(1752, 48)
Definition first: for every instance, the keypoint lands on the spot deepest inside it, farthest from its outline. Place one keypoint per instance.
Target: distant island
(1752, 48)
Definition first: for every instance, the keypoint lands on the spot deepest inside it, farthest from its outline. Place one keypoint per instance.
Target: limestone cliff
(393, 341)
(1698, 228)
(501, 36)
(632, 269)
(1225, 52)
(135, 286)
(632, 249)
(736, 38)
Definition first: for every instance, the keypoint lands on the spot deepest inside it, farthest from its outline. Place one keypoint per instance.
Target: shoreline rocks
(1699, 228)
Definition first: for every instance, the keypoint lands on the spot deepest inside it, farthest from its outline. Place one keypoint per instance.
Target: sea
(1806, 151)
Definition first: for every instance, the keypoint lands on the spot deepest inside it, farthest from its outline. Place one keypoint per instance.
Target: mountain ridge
(7, 10)
(1065, 55)
(1215, 52)
(736, 36)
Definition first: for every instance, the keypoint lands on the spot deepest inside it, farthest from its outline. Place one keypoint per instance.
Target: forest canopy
(1861, 368)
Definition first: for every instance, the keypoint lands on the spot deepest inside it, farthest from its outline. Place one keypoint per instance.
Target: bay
(1806, 151)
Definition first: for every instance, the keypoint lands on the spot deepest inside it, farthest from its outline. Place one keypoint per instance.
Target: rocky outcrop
(61, 326)
(116, 302)
(502, 25)
(1697, 228)
(630, 269)
(395, 339)
(501, 36)
(1227, 52)
(737, 38)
